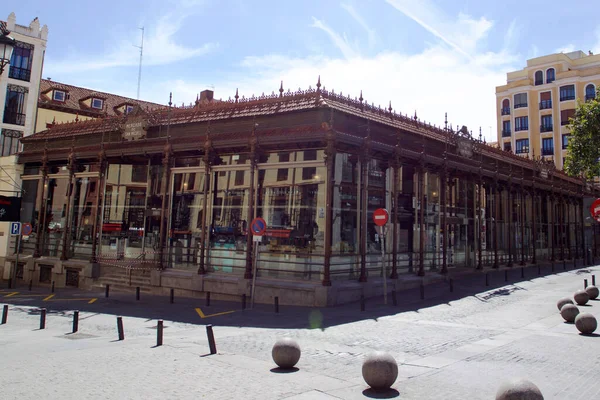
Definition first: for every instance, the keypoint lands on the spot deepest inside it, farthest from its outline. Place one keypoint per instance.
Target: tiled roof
(3, 29)
(74, 102)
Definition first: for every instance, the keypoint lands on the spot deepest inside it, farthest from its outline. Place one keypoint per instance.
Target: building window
(9, 142)
(546, 125)
(20, 62)
(565, 115)
(58, 95)
(550, 75)
(507, 146)
(567, 92)
(128, 109)
(14, 108)
(239, 178)
(310, 155)
(139, 173)
(97, 103)
(545, 100)
(539, 78)
(565, 141)
(282, 174)
(521, 124)
(590, 92)
(547, 146)
(522, 146)
(505, 107)
(520, 100)
(309, 173)
(505, 128)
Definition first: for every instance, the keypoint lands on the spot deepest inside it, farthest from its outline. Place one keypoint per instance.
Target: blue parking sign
(15, 228)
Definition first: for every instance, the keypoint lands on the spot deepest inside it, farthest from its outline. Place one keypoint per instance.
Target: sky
(426, 56)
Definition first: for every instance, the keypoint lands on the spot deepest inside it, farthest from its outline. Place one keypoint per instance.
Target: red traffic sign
(381, 217)
(26, 229)
(595, 209)
(258, 226)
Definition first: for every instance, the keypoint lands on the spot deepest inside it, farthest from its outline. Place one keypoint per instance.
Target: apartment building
(535, 105)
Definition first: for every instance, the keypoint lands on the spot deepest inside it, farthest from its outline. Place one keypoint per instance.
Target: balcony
(521, 128)
(522, 105)
(15, 118)
(506, 132)
(589, 97)
(505, 111)
(548, 151)
(546, 128)
(21, 74)
(567, 96)
(564, 122)
(539, 82)
(522, 150)
(545, 104)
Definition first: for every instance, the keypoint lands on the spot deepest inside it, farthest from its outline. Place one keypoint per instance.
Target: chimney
(206, 95)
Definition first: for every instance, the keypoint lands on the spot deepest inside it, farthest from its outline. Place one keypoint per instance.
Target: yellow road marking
(71, 299)
(11, 294)
(49, 297)
(92, 301)
(202, 315)
(29, 295)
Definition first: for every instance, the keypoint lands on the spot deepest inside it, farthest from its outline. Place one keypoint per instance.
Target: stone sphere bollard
(586, 323)
(569, 312)
(518, 389)
(581, 297)
(593, 292)
(286, 353)
(380, 370)
(562, 302)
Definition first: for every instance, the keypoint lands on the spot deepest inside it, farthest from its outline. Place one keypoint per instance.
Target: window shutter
(545, 96)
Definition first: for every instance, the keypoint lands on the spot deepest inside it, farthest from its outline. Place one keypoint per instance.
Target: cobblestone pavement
(449, 348)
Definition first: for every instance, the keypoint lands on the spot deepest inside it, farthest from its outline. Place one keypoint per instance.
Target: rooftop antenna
(140, 69)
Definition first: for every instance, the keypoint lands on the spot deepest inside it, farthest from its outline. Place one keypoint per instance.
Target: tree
(583, 156)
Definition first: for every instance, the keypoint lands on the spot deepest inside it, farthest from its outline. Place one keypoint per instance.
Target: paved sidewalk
(451, 346)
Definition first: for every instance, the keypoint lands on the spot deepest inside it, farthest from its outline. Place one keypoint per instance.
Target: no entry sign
(258, 226)
(381, 217)
(595, 209)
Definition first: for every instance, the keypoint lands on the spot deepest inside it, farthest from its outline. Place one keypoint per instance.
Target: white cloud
(341, 42)
(371, 35)
(565, 49)
(160, 48)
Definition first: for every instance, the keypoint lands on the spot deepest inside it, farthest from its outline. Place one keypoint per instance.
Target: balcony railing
(567, 96)
(521, 105)
(546, 128)
(21, 74)
(521, 128)
(522, 150)
(505, 132)
(539, 82)
(564, 122)
(548, 151)
(589, 97)
(505, 111)
(15, 118)
(545, 104)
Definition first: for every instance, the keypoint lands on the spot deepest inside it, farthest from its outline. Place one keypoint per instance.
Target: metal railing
(546, 128)
(545, 104)
(15, 118)
(505, 111)
(506, 132)
(548, 151)
(568, 96)
(21, 74)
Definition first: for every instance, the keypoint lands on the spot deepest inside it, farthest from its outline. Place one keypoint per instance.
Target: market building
(168, 195)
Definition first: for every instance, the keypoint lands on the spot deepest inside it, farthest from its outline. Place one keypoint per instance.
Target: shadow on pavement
(484, 285)
(375, 394)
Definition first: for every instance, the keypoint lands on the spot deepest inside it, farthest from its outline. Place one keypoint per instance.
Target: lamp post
(7, 44)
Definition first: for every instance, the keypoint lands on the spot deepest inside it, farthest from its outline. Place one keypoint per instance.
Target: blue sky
(426, 55)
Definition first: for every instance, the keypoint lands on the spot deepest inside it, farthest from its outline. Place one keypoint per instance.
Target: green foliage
(583, 156)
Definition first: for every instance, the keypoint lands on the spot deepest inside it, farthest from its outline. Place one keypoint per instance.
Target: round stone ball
(581, 297)
(380, 370)
(569, 312)
(518, 389)
(592, 291)
(562, 302)
(586, 323)
(286, 353)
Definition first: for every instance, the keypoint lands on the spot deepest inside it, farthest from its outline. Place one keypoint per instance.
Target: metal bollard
(207, 299)
(539, 269)
(552, 265)
(75, 321)
(244, 301)
(159, 333)
(451, 285)
(394, 299)
(505, 275)
(43, 318)
(52, 290)
(4, 314)
(30, 284)
(10, 283)
(422, 291)
(564, 265)
(594, 280)
(137, 293)
(172, 297)
(574, 262)
(522, 272)
(585, 285)
(211, 339)
(362, 302)
(106, 290)
(487, 279)
(120, 328)
(276, 304)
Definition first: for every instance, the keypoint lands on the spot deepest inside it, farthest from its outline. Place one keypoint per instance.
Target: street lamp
(7, 44)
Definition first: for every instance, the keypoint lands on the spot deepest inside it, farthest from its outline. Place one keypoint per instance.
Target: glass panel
(83, 214)
(55, 218)
(32, 193)
(186, 220)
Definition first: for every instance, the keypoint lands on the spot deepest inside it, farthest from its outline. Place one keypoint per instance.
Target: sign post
(381, 218)
(258, 228)
(15, 230)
